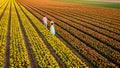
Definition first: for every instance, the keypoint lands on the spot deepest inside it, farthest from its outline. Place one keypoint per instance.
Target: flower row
(64, 53)
(3, 30)
(42, 55)
(18, 53)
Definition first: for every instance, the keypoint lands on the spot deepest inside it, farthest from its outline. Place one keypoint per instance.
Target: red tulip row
(103, 38)
(92, 20)
(64, 53)
(91, 55)
(109, 15)
(87, 52)
(99, 17)
(100, 47)
(83, 38)
(103, 20)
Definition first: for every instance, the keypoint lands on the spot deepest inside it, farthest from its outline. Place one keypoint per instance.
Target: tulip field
(86, 36)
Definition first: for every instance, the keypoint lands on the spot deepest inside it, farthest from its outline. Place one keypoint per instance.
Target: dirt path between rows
(33, 62)
(73, 50)
(61, 64)
(48, 4)
(7, 44)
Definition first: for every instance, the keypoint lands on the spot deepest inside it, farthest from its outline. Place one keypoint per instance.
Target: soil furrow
(6, 60)
(77, 17)
(74, 51)
(85, 43)
(78, 24)
(79, 39)
(32, 60)
(109, 45)
(108, 18)
(61, 64)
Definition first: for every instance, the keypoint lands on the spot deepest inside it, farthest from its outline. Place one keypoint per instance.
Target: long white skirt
(52, 30)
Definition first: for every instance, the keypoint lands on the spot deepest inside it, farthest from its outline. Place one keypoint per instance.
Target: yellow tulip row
(2, 7)
(41, 53)
(2, 2)
(3, 29)
(18, 53)
(64, 53)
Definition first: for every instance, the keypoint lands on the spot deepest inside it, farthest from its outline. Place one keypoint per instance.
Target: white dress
(52, 29)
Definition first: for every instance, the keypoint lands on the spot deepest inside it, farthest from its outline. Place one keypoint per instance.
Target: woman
(52, 29)
(45, 21)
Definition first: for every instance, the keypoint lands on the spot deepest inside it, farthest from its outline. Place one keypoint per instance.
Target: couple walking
(52, 29)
